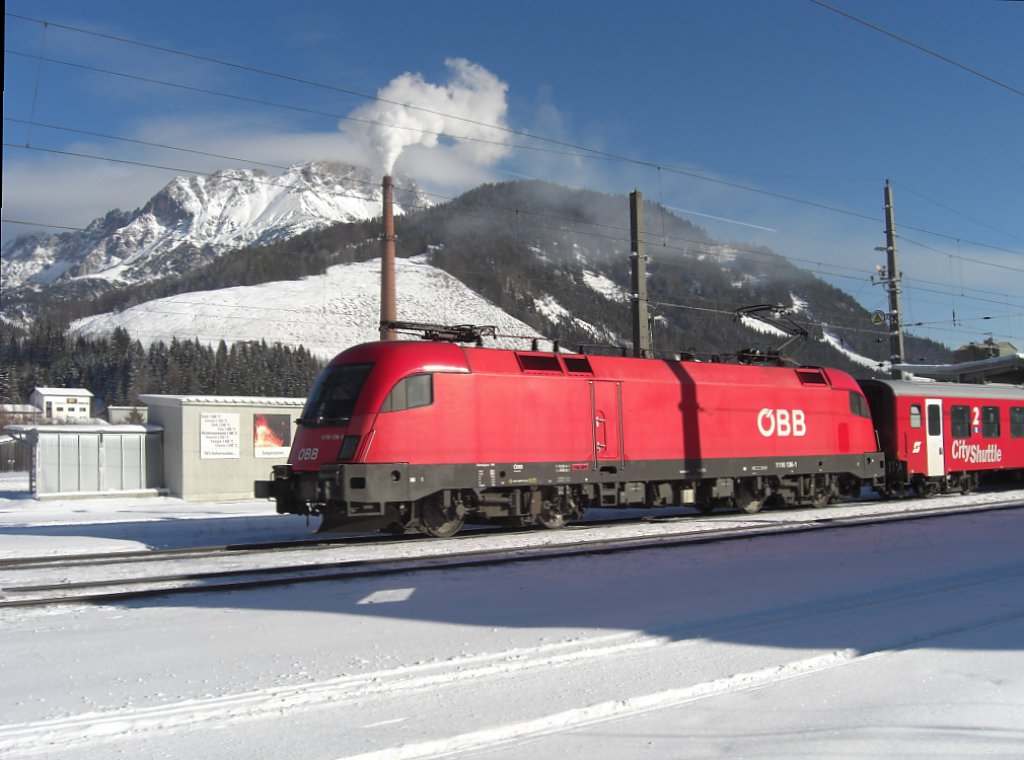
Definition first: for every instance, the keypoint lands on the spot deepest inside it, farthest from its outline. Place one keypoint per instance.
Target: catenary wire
(710, 247)
(593, 152)
(590, 151)
(824, 268)
(922, 48)
(667, 168)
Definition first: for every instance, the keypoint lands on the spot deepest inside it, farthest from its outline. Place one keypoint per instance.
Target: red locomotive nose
(323, 435)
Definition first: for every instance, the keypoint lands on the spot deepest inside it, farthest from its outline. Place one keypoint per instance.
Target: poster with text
(271, 435)
(219, 436)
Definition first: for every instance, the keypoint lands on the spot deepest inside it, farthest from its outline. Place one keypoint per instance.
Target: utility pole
(891, 279)
(638, 268)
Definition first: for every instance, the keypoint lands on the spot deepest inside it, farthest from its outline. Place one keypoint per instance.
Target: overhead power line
(333, 115)
(589, 229)
(578, 151)
(922, 48)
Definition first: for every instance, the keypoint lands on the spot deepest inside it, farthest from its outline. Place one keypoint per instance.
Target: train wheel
(437, 521)
(551, 519)
(825, 492)
(554, 514)
(747, 501)
(924, 488)
(968, 483)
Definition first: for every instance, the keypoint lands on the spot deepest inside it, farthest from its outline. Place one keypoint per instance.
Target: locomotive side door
(933, 439)
(606, 403)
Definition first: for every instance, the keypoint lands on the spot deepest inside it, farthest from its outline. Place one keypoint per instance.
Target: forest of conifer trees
(117, 369)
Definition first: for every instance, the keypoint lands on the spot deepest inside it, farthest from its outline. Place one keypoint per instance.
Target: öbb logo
(782, 423)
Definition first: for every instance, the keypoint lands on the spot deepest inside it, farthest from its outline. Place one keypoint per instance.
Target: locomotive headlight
(348, 447)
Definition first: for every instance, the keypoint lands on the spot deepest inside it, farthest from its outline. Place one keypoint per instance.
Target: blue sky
(767, 122)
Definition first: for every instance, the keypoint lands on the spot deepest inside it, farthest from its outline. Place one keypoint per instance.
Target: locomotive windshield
(334, 394)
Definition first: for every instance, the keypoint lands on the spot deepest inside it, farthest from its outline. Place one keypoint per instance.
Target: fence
(15, 456)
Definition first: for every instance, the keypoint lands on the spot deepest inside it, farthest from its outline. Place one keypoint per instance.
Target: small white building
(63, 404)
(18, 414)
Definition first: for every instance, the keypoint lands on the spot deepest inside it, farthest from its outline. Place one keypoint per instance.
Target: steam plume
(472, 93)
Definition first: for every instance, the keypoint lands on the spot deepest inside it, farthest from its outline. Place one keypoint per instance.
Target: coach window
(960, 421)
(1017, 421)
(409, 393)
(990, 421)
(915, 415)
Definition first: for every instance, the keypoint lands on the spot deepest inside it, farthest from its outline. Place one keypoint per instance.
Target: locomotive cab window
(1017, 421)
(960, 421)
(990, 421)
(858, 405)
(915, 415)
(410, 393)
(334, 394)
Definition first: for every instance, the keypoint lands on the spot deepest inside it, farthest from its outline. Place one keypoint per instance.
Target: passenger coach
(940, 437)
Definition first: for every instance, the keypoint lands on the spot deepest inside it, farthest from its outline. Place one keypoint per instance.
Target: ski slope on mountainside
(325, 313)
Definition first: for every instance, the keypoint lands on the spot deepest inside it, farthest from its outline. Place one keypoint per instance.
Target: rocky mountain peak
(206, 215)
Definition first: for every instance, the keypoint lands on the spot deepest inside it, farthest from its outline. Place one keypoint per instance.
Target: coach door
(934, 441)
(606, 404)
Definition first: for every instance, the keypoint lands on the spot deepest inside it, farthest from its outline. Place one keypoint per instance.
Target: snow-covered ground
(894, 641)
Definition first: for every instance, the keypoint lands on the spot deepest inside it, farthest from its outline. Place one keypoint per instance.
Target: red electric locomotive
(426, 435)
(940, 437)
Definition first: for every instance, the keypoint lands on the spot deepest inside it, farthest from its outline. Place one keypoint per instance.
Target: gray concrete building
(216, 446)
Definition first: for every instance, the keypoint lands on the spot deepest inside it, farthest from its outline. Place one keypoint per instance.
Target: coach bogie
(964, 482)
(926, 487)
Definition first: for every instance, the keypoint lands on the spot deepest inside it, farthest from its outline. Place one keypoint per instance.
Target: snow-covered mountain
(473, 260)
(340, 308)
(195, 219)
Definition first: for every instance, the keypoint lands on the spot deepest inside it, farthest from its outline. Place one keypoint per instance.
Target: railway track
(108, 578)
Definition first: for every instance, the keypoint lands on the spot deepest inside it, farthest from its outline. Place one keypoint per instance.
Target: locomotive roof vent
(812, 376)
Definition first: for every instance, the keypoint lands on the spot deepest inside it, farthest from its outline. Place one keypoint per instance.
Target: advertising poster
(219, 436)
(271, 435)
